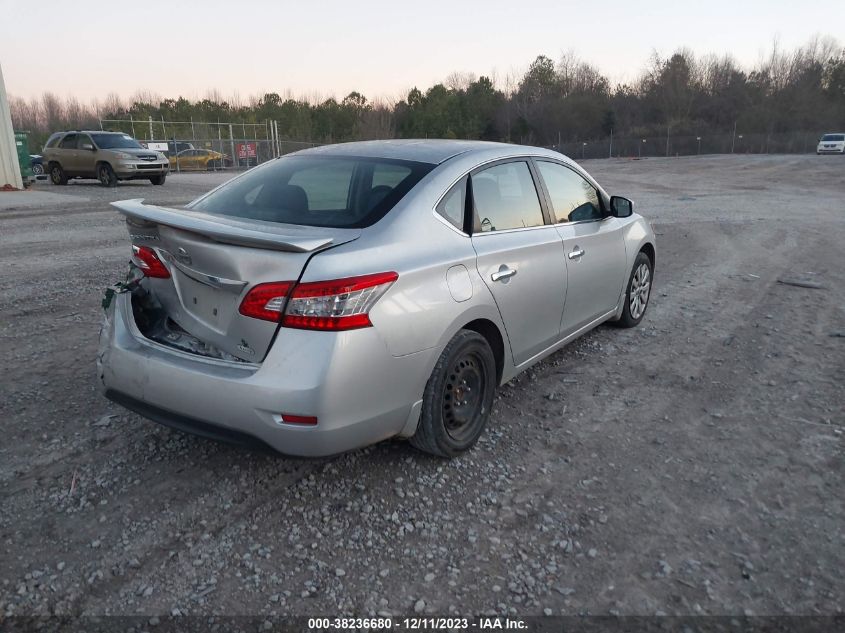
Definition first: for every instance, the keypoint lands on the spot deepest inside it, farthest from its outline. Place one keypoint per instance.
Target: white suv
(831, 144)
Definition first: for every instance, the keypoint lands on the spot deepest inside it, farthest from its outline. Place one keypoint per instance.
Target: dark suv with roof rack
(106, 156)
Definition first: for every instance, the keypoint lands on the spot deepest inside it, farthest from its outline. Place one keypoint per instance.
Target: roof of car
(433, 151)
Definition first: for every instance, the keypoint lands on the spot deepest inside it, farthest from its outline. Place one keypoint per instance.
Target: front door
(519, 256)
(592, 242)
(86, 157)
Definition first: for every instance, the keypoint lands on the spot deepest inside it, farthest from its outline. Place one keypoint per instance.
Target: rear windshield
(115, 141)
(833, 137)
(326, 191)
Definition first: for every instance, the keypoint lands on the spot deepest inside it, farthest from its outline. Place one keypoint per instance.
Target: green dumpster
(22, 143)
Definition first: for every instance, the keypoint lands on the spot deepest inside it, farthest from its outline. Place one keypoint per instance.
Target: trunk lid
(214, 260)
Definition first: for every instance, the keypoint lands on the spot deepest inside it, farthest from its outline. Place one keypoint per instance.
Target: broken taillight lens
(147, 260)
(266, 301)
(342, 304)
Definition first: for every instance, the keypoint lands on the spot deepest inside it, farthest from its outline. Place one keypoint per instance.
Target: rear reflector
(147, 260)
(266, 301)
(342, 304)
(307, 420)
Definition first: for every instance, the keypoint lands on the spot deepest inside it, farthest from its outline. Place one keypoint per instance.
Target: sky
(316, 49)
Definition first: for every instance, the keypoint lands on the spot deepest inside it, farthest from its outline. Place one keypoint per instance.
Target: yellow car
(193, 159)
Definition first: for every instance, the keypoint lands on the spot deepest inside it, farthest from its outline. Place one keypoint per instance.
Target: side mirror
(621, 207)
(88, 146)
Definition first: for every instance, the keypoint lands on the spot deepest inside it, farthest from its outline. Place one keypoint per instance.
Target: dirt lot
(691, 465)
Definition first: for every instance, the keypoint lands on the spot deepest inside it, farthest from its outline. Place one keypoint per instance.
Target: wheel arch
(648, 249)
(490, 331)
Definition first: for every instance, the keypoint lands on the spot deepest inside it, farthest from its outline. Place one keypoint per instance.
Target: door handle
(503, 273)
(578, 252)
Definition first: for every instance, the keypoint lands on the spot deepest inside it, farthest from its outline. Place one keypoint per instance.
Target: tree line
(553, 101)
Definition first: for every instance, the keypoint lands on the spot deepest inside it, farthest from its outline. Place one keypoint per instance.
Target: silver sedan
(351, 293)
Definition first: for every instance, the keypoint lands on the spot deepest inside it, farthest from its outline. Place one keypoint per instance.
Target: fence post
(733, 138)
(232, 145)
(610, 149)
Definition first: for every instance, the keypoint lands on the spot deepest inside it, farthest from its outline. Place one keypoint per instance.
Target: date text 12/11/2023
(427, 623)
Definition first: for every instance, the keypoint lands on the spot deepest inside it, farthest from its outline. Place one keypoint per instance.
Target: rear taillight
(147, 260)
(342, 304)
(266, 301)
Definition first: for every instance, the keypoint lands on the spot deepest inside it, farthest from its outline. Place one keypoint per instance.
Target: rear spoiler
(256, 233)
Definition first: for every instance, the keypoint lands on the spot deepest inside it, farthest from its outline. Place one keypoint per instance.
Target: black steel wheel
(458, 397)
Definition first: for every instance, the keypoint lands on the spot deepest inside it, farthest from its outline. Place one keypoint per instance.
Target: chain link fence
(653, 146)
(203, 145)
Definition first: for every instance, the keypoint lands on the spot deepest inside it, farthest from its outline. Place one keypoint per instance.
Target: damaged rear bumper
(359, 393)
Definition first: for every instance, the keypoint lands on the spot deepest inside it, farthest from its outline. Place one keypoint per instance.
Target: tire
(57, 174)
(638, 292)
(106, 175)
(158, 180)
(447, 430)
(38, 169)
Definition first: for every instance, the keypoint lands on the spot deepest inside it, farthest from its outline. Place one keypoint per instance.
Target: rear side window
(53, 140)
(328, 191)
(504, 197)
(453, 205)
(573, 198)
(68, 142)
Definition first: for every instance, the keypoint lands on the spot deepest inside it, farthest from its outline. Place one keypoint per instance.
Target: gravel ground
(693, 465)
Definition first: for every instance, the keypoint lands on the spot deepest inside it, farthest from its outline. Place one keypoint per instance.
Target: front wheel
(638, 292)
(458, 397)
(37, 169)
(106, 175)
(158, 180)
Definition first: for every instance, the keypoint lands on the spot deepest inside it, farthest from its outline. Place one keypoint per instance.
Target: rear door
(592, 241)
(519, 255)
(66, 154)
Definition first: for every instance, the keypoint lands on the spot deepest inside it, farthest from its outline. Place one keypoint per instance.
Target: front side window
(504, 197)
(573, 198)
(82, 140)
(349, 192)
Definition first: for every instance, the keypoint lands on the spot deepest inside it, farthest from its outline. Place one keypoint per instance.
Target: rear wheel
(158, 180)
(458, 397)
(106, 175)
(57, 174)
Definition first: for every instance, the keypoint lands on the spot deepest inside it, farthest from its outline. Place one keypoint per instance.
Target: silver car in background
(350, 293)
